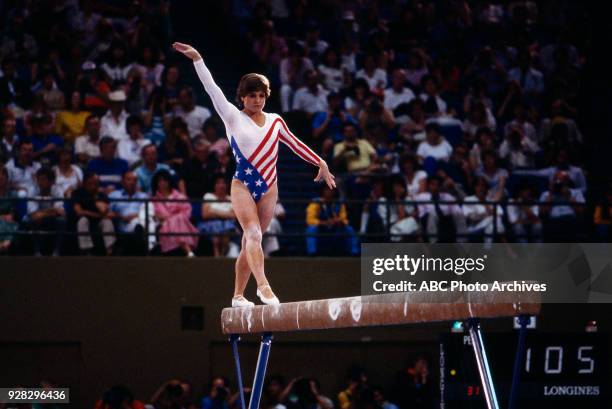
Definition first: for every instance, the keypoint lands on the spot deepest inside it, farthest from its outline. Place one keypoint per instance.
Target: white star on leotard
(246, 183)
(234, 152)
(248, 171)
(237, 159)
(255, 195)
(259, 183)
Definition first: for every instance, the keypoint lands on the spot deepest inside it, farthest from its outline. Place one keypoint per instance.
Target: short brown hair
(252, 82)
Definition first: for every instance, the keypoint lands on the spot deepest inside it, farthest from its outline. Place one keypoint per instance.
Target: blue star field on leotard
(248, 174)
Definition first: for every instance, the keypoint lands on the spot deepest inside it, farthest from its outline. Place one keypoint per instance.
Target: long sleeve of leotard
(226, 110)
(297, 146)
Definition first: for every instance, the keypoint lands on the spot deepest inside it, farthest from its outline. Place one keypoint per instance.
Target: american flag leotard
(255, 147)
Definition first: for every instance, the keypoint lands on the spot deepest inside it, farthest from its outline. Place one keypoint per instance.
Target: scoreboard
(564, 370)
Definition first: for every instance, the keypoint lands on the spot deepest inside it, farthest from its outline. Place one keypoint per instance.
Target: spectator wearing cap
(70, 123)
(45, 143)
(312, 97)
(434, 104)
(22, 168)
(328, 125)
(113, 122)
(193, 115)
(398, 93)
(292, 74)
(374, 75)
(92, 211)
(46, 215)
(149, 167)
(9, 139)
(107, 166)
(433, 149)
(130, 149)
(87, 147)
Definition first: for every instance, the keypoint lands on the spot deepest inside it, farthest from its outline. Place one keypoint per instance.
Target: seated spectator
(129, 220)
(562, 164)
(171, 80)
(478, 117)
(375, 114)
(22, 169)
(113, 122)
(312, 97)
(374, 213)
(47, 216)
(334, 75)
(381, 399)
(219, 394)
(136, 93)
(149, 67)
(149, 168)
(521, 123)
(412, 121)
(92, 213)
(417, 67)
(14, 91)
(414, 178)
(173, 216)
(353, 154)
(45, 144)
(530, 79)
(398, 93)
(375, 76)
(269, 47)
(524, 216)
(458, 167)
(130, 149)
(9, 139)
(328, 125)
(495, 176)
(292, 74)
(482, 219)
(118, 396)
(327, 215)
(434, 104)
(415, 387)
(193, 115)
(70, 123)
(176, 149)
(87, 147)
(559, 130)
(270, 243)
(442, 222)
(601, 217)
(485, 141)
(219, 220)
(68, 177)
(116, 64)
(108, 168)
(198, 171)
(433, 149)
(305, 393)
(314, 47)
(154, 117)
(7, 211)
(214, 134)
(562, 209)
(93, 87)
(273, 392)
(357, 383)
(518, 150)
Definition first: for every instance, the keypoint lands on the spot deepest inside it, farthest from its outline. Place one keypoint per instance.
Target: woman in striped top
(254, 136)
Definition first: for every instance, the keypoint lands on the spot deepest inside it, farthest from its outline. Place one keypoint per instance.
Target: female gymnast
(253, 136)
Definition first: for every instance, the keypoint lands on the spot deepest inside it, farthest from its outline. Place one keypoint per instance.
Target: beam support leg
(260, 372)
(483, 364)
(520, 352)
(234, 338)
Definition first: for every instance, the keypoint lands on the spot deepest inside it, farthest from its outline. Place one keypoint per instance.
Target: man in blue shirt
(108, 168)
(127, 214)
(331, 123)
(45, 144)
(150, 167)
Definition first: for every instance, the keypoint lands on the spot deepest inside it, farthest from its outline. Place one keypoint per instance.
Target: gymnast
(253, 136)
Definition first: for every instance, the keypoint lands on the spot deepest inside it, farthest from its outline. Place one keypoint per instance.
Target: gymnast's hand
(187, 50)
(325, 175)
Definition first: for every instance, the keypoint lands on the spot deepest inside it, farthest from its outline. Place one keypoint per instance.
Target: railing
(497, 231)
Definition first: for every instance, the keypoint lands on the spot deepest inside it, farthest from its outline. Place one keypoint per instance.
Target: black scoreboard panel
(560, 370)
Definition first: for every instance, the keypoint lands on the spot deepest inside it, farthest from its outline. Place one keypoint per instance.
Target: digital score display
(569, 370)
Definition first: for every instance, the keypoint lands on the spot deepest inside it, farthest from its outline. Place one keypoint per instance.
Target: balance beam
(377, 310)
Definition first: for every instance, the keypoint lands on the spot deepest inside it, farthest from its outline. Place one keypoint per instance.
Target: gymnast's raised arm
(226, 110)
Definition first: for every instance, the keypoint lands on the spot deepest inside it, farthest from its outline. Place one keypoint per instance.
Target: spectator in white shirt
(312, 97)
(520, 122)
(335, 75)
(518, 150)
(376, 77)
(482, 219)
(479, 117)
(313, 45)
(434, 104)
(433, 147)
(130, 149)
(562, 209)
(116, 67)
(398, 93)
(113, 122)
(86, 147)
(193, 115)
(524, 216)
(68, 177)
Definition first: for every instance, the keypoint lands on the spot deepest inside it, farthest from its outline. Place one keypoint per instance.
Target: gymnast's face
(254, 102)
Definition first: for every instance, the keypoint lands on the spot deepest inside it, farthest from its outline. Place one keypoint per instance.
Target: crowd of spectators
(428, 103)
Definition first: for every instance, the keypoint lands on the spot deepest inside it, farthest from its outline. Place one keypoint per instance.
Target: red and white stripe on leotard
(265, 156)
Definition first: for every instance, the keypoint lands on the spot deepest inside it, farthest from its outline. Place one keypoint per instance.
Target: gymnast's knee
(253, 234)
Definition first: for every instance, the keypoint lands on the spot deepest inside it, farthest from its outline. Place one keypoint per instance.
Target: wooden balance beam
(379, 310)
